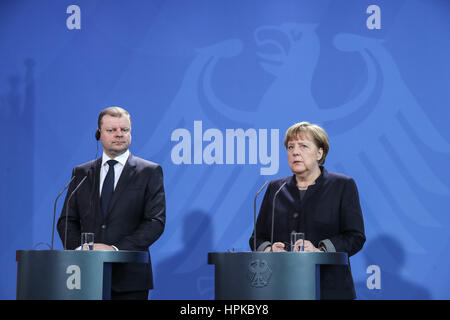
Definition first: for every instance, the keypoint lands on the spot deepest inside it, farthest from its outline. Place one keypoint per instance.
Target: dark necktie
(108, 187)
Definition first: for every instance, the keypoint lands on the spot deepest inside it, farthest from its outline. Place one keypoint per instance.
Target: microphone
(67, 210)
(254, 215)
(273, 214)
(54, 209)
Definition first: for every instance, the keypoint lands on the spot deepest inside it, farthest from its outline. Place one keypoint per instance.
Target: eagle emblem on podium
(259, 273)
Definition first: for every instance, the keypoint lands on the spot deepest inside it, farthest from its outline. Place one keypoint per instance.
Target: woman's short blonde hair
(313, 132)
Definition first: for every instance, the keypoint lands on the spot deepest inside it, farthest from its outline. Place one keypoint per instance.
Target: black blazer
(135, 219)
(329, 213)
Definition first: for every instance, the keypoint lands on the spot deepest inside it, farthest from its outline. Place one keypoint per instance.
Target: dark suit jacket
(329, 212)
(135, 218)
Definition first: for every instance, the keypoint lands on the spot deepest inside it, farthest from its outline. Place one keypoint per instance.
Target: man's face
(115, 134)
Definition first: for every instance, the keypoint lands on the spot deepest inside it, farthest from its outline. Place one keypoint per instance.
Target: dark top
(134, 220)
(329, 213)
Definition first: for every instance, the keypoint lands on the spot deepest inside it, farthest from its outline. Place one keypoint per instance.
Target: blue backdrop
(211, 87)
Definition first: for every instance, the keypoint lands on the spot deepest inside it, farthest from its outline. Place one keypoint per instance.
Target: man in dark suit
(121, 201)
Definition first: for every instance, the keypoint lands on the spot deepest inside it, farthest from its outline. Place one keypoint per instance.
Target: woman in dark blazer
(323, 205)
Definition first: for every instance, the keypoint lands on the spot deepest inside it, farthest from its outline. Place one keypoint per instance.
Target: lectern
(270, 275)
(69, 274)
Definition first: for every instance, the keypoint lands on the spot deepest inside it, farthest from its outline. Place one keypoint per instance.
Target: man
(122, 201)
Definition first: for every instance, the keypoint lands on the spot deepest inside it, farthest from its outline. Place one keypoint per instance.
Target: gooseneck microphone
(54, 209)
(67, 210)
(273, 214)
(254, 215)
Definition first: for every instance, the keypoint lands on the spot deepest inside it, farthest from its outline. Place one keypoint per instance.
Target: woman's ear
(319, 154)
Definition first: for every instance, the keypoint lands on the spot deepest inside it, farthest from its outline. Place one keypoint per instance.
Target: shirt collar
(319, 180)
(122, 159)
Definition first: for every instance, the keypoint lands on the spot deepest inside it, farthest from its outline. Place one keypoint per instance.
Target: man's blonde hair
(113, 112)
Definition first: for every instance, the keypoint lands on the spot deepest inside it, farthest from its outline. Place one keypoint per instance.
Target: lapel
(94, 177)
(126, 177)
(315, 187)
(291, 186)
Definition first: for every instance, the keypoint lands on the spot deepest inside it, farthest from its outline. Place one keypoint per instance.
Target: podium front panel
(270, 275)
(69, 275)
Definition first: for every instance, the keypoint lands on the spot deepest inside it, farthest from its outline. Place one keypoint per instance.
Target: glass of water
(87, 241)
(296, 244)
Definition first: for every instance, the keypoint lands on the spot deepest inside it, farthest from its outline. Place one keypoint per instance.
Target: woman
(323, 205)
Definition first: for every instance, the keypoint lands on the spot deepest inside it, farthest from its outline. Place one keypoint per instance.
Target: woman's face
(303, 154)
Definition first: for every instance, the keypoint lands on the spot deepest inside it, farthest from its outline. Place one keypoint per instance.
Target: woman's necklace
(306, 185)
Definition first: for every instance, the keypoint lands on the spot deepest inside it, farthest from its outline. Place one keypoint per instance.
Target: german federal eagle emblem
(259, 273)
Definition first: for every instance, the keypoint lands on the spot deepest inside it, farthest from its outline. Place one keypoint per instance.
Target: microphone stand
(254, 215)
(54, 209)
(67, 210)
(273, 214)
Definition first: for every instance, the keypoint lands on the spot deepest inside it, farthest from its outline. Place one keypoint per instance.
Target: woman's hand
(309, 247)
(277, 247)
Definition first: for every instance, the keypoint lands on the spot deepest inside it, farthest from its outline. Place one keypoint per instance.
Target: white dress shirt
(118, 168)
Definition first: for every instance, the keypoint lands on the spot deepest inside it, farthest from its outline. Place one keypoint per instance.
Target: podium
(270, 275)
(69, 274)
